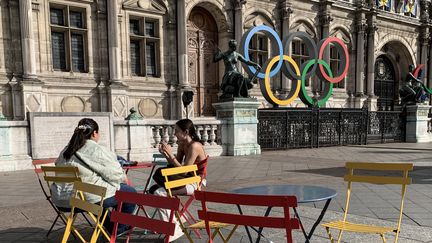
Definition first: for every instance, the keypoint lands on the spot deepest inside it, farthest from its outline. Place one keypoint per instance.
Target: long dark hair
(83, 131)
(187, 125)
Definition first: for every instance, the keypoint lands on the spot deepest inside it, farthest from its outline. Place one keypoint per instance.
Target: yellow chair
(173, 184)
(95, 210)
(404, 180)
(58, 174)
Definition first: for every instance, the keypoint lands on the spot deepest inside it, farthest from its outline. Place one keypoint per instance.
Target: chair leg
(213, 236)
(329, 234)
(83, 214)
(340, 236)
(183, 228)
(231, 233)
(52, 226)
(69, 228)
(383, 238)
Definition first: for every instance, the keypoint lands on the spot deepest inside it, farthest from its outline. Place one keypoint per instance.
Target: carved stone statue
(413, 90)
(234, 84)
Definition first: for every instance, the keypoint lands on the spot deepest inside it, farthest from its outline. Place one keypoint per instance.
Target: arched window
(300, 54)
(335, 65)
(258, 49)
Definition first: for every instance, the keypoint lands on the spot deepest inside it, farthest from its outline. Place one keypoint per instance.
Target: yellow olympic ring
(267, 81)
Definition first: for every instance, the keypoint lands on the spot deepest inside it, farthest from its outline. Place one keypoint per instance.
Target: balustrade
(208, 132)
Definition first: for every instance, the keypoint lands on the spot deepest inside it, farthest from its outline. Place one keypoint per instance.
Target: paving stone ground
(26, 215)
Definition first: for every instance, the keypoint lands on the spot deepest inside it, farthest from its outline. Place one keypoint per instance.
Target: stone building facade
(94, 55)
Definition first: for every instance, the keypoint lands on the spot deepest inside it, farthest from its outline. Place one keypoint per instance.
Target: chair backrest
(79, 201)
(403, 179)
(172, 184)
(144, 222)
(285, 202)
(60, 174)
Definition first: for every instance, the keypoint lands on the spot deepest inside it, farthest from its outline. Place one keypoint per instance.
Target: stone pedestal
(417, 123)
(238, 133)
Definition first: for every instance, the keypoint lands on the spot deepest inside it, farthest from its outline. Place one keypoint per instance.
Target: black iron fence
(305, 127)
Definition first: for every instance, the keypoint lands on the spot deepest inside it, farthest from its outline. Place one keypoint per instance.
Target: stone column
(113, 42)
(182, 43)
(238, 19)
(360, 57)
(372, 28)
(27, 41)
(285, 12)
(182, 50)
(325, 19)
(425, 38)
(118, 99)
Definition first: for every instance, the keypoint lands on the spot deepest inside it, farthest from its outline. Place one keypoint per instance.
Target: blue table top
(304, 193)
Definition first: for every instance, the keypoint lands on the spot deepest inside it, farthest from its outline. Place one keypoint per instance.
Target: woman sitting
(97, 165)
(189, 151)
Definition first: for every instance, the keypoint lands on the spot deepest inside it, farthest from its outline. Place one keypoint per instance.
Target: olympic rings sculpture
(299, 74)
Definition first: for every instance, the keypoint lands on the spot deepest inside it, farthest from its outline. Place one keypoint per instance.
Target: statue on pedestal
(234, 84)
(413, 90)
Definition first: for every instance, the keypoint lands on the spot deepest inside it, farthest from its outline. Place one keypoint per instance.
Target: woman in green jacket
(97, 165)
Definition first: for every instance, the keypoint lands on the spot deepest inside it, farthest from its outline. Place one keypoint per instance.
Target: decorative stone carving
(361, 26)
(239, 3)
(148, 107)
(33, 102)
(120, 106)
(72, 104)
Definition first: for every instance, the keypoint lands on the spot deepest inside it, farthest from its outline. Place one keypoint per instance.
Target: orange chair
(213, 218)
(144, 222)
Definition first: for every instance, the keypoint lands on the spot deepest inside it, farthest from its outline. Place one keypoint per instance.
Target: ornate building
(94, 55)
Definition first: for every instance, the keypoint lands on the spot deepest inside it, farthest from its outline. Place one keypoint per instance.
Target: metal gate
(307, 127)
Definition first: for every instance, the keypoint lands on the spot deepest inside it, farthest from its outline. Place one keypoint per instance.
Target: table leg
(149, 178)
(323, 211)
(247, 229)
(301, 225)
(261, 228)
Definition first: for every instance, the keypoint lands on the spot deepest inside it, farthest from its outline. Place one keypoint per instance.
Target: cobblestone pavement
(26, 216)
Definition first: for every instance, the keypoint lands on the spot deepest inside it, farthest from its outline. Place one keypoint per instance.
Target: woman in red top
(190, 151)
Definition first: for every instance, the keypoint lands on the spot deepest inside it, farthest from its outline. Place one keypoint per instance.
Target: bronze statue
(413, 90)
(234, 84)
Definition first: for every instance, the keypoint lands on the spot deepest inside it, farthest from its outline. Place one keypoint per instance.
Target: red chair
(142, 200)
(212, 217)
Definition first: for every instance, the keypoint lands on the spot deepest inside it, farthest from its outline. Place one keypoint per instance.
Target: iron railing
(307, 127)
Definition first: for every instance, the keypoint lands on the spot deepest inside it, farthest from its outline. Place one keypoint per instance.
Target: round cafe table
(304, 194)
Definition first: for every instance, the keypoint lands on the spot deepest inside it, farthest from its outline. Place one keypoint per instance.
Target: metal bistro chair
(144, 222)
(56, 174)
(95, 210)
(171, 185)
(217, 219)
(404, 180)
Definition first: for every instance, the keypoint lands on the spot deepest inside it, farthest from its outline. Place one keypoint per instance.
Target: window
(68, 35)
(258, 49)
(300, 55)
(335, 65)
(144, 46)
